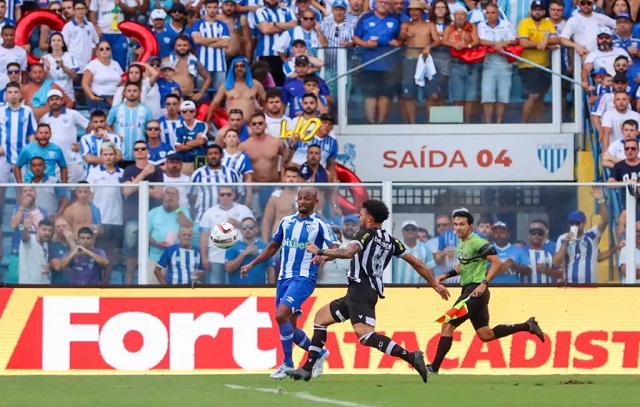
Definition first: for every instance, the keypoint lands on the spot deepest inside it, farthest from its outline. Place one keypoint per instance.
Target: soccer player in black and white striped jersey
(371, 250)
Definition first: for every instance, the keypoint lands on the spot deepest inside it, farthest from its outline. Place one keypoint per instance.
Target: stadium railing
(516, 204)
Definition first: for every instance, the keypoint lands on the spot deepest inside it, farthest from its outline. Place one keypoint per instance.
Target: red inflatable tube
(220, 117)
(30, 21)
(143, 35)
(358, 193)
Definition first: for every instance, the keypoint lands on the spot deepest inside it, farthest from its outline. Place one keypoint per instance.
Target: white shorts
(75, 172)
(6, 170)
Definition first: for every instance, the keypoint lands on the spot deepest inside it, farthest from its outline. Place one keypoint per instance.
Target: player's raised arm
(426, 274)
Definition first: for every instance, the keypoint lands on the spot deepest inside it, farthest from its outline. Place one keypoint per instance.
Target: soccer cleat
(535, 329)
(319, 366)
(299, 374)
(418, 364)
(281, 373)
(430, 370)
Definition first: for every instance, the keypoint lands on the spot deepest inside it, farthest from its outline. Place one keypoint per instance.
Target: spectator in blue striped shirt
(272, 21)
(308, 31)
(211, 38)
(158, 151)
(516, 263)
(91, 143)
(181, 262)
(171, 121)
(541, 256)
(299, 47)
(403, 273)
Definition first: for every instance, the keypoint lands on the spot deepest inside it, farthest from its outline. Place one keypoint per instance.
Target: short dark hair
(13, 63)
(12, 85)
(271, 94)
(291, 168)
(183, 37)
(136, 84)
(425, 231)
(214, 147)
(98, 113)
(614, 61)
(310, 95)
(311, 78)
(85, 230)
(259, 114)
(377, 209)
(172, 95)
(484, 220)
(211, 2)
(557, 3)
(314, 146)
(631, 140)
(31, 66)
(630, 122)
(464, 214)
(141, 142)
(43, 125)
(45, 222)
(8, 27)
(37, 157)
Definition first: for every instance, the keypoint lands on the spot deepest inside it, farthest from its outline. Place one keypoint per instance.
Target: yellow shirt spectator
(528, 29)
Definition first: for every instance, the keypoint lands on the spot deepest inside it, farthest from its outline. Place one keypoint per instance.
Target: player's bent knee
(324, 316)
(283, 313)
(485, 334)
(447, 329)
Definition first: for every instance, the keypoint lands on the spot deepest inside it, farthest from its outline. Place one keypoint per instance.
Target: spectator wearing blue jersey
(158, 151)
(298, 272)
(10, 11)
(403, 273)
(375, 32)
(272, 21)
(166, 37)
(236, 159)
(237, 123)
(299, 47)
(311, 85)
(180, 264)
(311, 170)
(211, 38)
(243, 252)
(623, 38)
(541, 256)
(166, 85)
(91, 143)
(308, 31)
(516, 263)
(191, 137)
(52, 154)
(294, 85)
(171, 121)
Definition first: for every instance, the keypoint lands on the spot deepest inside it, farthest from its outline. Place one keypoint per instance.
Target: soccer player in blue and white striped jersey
(578, 252)
(182, 261)
(272, 21)
(298, 272)
(208, 176)
(541, 258)
(211, 38)
(17, 124)
(129, 119)
(403, 273)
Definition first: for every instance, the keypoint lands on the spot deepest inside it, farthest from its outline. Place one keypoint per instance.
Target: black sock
(317, 343)
(385, 345)
(500, 331)
(444, 345)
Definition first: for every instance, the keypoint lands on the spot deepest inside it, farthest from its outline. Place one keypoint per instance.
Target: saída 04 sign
(303, 129)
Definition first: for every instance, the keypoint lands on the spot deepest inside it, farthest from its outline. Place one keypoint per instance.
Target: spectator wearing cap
(272, 21)
(64, 123)
(240, 41)
(178, 19)
(308, 31)
(105, 20)
(403, 273)
(191, 136)
(299, 47)
(294, 85)
(541, 252)
(375, 32)
(604, 102)
(246, 250)
(577, 253)
(350, 225)
(496, 70)
(582, 29)
(211, 38)
(537, 35)
(616, 151)
(612, 120)
(623, 38)
(338, 30)
(478, 14)
(129, 119)
(166, 85)
(516, 263)
(35, 92)
(80, 37)
(158, 151)
(603, 57)
(603, 84)
(166, 37)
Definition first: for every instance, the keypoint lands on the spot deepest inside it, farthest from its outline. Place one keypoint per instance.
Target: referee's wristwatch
(485, 282)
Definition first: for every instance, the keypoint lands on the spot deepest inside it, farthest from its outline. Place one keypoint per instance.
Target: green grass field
(329, 390)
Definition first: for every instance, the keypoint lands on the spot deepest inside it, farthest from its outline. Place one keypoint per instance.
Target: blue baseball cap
(599, 71)
(577, 216)
(499, 225)
(351, 218)
(339, 3)
(625, 16)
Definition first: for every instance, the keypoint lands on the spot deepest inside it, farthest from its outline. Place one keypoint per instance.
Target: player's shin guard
(317, 343)
(301, 339)
(500, 331)
(385, 345)
(286, 338)
(444, 345)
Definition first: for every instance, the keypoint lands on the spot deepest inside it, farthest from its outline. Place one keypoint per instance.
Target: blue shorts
(294, 291)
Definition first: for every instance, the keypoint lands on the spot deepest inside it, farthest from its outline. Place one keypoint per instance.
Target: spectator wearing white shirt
(225, 211)
(274, 116)
(173, 175)
(10, 53)
(108, 200)
(613, 119)
(91, 143)
(335, 271)
(478, 14)
(101, 78)
(33, 254)
(403, 273)
(64, 124)
(496, 71)
(60, 65)
(615, 152)
(603, 57)
(581, 29)
(309, 31)
(80, 36)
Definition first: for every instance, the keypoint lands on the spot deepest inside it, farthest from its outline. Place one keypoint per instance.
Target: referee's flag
(458, 311)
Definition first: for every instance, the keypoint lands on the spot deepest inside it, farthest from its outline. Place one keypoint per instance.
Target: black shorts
(379, 83)
(359, 305)
(111, 237)
(478, 308)
(534, 81)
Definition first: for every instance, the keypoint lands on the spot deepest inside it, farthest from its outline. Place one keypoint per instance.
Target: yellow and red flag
(458, 311)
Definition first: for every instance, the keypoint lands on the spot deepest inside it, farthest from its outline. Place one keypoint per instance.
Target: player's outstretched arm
(339, 252)
(266, 254)
(426, 274)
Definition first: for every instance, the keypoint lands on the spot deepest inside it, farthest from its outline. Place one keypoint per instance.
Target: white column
(143, 234)
(630, 229)
(387, 198)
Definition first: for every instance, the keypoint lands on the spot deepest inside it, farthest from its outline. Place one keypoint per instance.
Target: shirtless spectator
(240, 43)
(274, 115)
(83, 212)
(236, 122)
(239, 91)
(281, 203)
(415, 34)
(35, 92)
(187, 69)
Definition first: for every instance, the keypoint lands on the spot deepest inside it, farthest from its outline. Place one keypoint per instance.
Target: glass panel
(422, 218)
(568, 96)
(387, 89)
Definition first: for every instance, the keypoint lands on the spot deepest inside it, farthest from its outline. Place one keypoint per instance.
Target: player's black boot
(299, 374)
(535, 329)
(418, 364)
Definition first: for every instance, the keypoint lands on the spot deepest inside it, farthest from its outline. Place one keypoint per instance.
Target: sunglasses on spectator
(411, 229)
(257, 123)
(104, 49)
(140, 149)
(153, 128)
(13, 72)
(443, 225)
(55, 10)
(536, 233)
(630, 148)
(188, 111)
(586, 3)
(227, 194)
(248, 227)
(308, 18)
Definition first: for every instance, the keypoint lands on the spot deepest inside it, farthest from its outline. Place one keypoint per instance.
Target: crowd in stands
(265, 63)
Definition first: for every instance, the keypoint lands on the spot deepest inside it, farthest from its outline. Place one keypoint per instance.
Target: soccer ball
(224, 235)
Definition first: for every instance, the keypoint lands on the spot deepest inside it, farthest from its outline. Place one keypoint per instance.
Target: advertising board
(208, 331)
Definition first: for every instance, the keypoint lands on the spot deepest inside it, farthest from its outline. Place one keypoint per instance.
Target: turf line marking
(300, 395)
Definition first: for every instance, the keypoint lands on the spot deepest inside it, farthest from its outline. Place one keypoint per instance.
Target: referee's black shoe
(418, 364)
(535, 329)
(299, 374)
